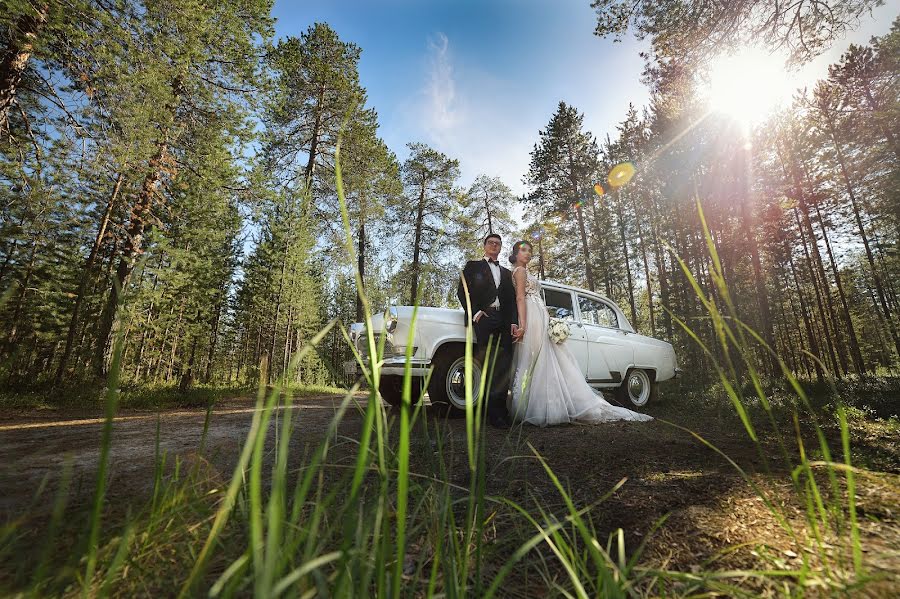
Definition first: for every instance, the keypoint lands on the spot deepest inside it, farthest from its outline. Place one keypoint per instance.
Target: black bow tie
(493, 262)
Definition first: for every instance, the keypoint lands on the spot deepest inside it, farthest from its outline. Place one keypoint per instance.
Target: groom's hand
(477, 316)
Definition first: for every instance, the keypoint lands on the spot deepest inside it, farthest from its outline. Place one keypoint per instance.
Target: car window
(596, 312)
(556, 301)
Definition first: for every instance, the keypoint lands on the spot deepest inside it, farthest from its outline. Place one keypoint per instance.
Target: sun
(747, 85)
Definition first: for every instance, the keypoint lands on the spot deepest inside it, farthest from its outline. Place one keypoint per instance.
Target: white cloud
(471, 115)
(442, 111)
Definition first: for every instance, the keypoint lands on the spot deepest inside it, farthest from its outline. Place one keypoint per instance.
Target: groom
(494, 321)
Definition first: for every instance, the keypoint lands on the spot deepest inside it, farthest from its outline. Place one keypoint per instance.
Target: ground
(666, 471)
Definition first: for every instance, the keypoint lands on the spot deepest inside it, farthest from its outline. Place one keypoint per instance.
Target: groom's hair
(492, 235)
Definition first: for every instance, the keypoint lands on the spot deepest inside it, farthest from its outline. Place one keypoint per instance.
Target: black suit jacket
(483, 291)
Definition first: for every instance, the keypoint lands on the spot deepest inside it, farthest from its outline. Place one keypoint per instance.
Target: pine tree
(562, 164)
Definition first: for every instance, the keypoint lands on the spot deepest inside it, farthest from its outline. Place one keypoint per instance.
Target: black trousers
(493, 331)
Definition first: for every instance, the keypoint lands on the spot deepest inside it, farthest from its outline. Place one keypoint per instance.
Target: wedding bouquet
(558, 330)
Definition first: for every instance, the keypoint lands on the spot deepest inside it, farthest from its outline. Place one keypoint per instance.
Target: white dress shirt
(495, 270)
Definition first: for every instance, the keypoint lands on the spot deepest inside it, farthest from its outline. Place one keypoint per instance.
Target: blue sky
(478, 80)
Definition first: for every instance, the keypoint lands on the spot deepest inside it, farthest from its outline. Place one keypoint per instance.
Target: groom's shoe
(501, 422)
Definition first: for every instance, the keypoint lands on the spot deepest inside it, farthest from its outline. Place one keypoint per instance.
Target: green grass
(382, 513)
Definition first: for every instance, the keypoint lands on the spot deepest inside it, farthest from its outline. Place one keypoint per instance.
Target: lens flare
(621, 174)
(537, 234)
(598, 189)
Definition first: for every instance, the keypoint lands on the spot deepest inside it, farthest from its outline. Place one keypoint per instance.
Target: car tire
(638, 389)
(391, 389)
(447, 382)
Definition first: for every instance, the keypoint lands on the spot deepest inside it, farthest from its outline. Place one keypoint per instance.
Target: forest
(180, 188)
(172, 225)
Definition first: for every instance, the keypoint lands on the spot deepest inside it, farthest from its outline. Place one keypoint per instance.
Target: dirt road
(668, 470)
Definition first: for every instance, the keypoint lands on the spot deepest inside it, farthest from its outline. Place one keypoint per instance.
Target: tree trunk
(271, 362)
(664, 292)
(829, 343)
(814, 344)
(314, 140)
(848, 185)
(187, 377)
(599, 233)
(212, 342)
(15, 58)
(420, 217)
(85, 274)
(762, 298)
(858, 362)
(621, 216)
(588, 270)
(541, 269)
(139, 224)
(640, 230)
(361, 267)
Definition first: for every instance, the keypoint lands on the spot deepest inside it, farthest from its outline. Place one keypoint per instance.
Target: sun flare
(747, 85)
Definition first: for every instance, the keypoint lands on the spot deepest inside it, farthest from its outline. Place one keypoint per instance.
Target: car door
(560, 305)
(610, 353)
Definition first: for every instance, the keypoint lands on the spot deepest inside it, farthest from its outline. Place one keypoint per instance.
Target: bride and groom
(508, 314)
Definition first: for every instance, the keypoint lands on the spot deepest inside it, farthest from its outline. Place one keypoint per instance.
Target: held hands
(517, 333)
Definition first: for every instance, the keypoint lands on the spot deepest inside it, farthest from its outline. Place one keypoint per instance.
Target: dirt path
(38, 446)
(667, 470)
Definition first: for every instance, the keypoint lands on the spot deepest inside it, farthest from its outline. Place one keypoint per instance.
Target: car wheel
(391, 389)
(447, 384)
(638, 388)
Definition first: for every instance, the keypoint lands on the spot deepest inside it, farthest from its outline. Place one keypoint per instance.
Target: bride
(548, 386)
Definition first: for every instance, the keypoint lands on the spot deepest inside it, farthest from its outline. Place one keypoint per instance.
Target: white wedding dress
(548, 386)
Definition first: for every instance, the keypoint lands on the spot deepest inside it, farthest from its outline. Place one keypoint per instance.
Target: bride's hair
(515, 251)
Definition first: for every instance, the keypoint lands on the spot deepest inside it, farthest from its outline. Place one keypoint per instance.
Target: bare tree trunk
(814, 344)
(271, 361)
(664, 292)
(858, 362)
(314, 143)
(187, 377)
(139, 224)
(212, 342)
(829, 344)
(588, 271)
(541, 268)
(848, 185)
(621, 216)
(420, 217)
(762, 298)
(85, 274)
(599, 232)
(647, 276)
(361, 267)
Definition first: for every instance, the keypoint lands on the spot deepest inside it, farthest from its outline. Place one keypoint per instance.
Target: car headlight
(390, 319)
(362, 345)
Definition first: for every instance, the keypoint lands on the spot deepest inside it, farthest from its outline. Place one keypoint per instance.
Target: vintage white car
(609, 351)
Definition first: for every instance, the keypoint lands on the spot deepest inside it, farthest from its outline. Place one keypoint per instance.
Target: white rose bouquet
(558, 330)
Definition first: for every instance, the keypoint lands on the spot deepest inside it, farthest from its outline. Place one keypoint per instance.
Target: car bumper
(394, 367)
